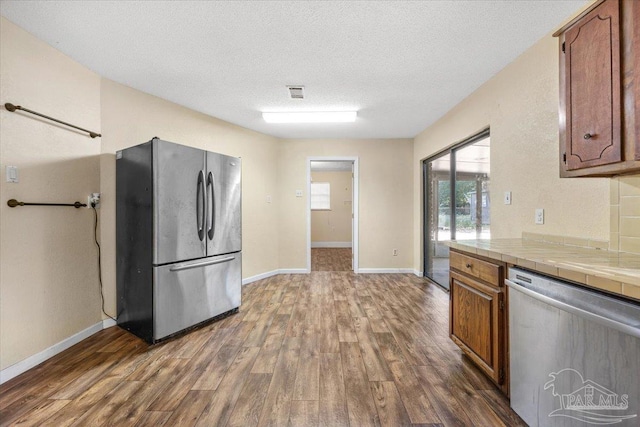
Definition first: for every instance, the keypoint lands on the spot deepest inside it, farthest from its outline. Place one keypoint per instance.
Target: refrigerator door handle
(201, 206)
(212, 201)
(201, 264)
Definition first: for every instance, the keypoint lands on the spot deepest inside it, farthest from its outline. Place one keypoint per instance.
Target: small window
(320, 196)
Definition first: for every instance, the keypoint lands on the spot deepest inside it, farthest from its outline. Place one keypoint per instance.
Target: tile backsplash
(567, 241)
(625, 214)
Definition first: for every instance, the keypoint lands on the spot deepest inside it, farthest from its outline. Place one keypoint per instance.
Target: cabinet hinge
(564, 157)
(501, 305)
(501, 374)
(562, 47)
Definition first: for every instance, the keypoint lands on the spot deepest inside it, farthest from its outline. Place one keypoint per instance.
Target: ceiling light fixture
(311, 117)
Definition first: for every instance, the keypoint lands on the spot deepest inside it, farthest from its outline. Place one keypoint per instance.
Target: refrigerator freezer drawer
(188, 293)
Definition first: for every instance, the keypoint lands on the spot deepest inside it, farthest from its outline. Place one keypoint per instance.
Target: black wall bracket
(14, 203)
(10, 107)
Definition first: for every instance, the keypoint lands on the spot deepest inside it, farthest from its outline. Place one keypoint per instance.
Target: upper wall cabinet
(599, 99)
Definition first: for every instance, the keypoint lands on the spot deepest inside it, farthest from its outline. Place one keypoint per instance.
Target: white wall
(48, 276)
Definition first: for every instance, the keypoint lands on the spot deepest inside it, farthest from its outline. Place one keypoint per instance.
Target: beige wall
(49, 287)
(385, 198)
(333, 225)
(520, 104)
(48, 274)
(130, 117)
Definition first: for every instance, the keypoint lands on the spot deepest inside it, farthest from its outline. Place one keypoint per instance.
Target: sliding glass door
(472, 191)
(457, 202)
(437, 177)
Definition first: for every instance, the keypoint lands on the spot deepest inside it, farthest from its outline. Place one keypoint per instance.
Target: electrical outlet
(298, 193)
(269, 199)
(395, 252)
(93, 199)
(539, 216)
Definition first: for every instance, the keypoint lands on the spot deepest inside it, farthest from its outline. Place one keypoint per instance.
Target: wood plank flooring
(331, 259)
(325, 349)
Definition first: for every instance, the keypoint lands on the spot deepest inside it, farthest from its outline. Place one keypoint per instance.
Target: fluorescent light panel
(311, 117)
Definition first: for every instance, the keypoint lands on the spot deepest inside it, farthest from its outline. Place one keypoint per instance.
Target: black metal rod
(14, 203)
(12, 108)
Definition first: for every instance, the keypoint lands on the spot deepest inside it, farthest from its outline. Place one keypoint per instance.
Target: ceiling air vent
(296, 92)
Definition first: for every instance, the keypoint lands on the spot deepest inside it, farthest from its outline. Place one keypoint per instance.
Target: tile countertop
(615, 272)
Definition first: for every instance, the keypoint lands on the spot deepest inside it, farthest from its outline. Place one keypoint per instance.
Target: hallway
(331, 259)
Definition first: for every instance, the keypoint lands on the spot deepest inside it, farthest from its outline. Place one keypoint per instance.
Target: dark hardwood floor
(331, 259)
(325, 349)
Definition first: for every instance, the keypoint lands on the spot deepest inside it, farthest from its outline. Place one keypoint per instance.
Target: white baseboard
(331, 244)
(260, 277)
(304, 271)
(107, 323)
(386, 270)
(24, 365)
(268, 274)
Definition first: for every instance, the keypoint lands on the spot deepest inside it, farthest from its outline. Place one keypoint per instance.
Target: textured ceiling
(401, 64)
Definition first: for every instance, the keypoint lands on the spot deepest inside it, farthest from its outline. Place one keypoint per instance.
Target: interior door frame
(355, 201)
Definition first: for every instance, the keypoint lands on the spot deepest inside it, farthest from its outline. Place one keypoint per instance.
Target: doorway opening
(332, 214)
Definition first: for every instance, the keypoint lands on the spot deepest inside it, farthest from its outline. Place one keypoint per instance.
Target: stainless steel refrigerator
(178, 234)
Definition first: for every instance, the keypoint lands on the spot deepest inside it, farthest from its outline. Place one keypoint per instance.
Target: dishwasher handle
(602, 320)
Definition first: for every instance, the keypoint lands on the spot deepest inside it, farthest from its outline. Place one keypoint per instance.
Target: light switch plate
(12, 174)
(507, 197)
(539, 216)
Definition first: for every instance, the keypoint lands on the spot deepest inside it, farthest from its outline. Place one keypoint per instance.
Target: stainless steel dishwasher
(574, 354)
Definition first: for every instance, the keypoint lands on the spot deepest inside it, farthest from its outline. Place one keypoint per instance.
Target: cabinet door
(593, 100)
(476, 323)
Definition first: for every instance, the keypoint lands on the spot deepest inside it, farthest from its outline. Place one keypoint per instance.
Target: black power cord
(95, 238)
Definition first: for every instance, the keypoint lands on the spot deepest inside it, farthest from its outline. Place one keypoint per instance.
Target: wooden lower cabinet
(477, 321)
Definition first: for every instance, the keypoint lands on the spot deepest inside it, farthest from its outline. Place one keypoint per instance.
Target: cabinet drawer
(185, 295)
(475, 267)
